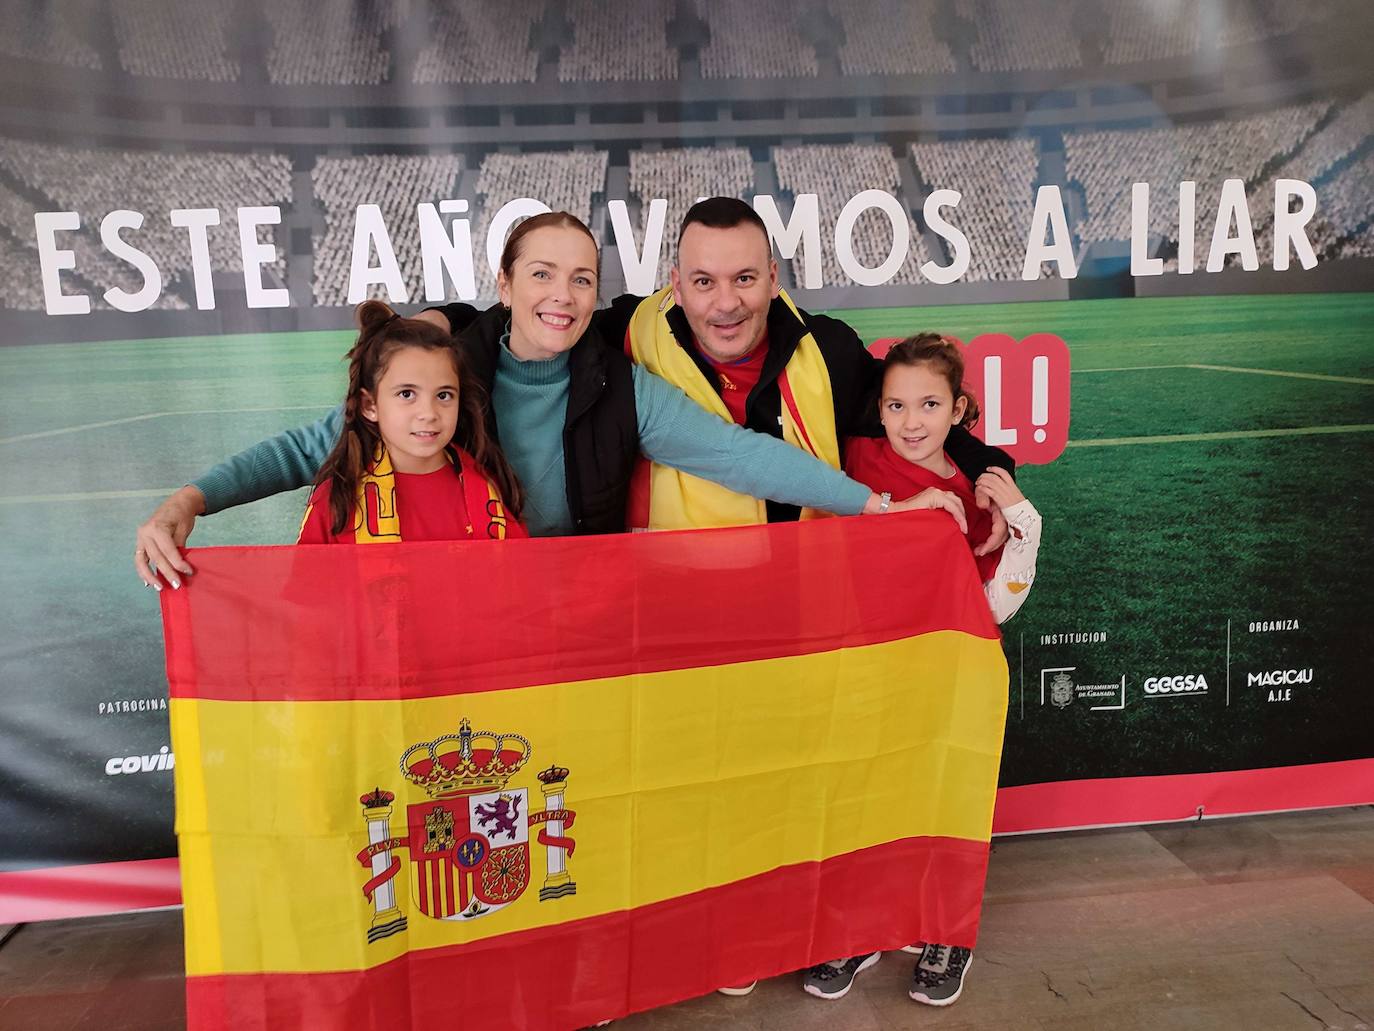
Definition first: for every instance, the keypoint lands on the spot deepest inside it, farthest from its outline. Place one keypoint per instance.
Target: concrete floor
(1261, 922)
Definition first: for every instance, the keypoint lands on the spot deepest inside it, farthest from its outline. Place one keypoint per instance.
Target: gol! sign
(1022, 388)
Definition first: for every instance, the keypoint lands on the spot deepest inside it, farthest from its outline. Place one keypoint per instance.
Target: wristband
(884, 501)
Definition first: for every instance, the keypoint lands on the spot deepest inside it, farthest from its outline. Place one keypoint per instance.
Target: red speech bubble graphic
(1022, 389)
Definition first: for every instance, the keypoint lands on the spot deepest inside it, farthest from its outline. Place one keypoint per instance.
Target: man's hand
(162, 537)
(933, 497)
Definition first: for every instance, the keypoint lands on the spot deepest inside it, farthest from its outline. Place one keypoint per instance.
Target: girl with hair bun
(413, 459)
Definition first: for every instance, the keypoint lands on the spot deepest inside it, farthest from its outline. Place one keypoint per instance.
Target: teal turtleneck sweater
(530, 399)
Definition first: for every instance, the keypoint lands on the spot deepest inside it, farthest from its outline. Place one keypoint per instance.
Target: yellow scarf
(376, 521)
(678, 501)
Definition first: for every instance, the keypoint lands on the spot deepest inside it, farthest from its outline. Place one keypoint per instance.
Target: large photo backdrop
(1201, 604)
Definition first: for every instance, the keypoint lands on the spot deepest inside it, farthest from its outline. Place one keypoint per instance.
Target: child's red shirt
(445, 505)
(872, 462)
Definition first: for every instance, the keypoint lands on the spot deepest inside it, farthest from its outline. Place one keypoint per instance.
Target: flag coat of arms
(562, 780)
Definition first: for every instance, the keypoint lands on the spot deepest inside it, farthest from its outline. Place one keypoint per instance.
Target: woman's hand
(998, 485)
(162, 537)
(933, 497)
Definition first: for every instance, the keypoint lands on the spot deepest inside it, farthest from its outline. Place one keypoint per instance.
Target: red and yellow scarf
(377, 520)
(677, 501)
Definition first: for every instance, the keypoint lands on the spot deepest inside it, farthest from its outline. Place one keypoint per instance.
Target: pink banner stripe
(1065, 805)
(56, 893)
(60, 892)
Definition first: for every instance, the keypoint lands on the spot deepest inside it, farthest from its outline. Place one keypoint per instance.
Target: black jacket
(601, 431)
(855, 382)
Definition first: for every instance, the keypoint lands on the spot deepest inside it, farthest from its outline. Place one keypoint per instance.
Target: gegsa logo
(1191, 683)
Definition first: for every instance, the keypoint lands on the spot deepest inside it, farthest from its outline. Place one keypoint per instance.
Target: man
(725, 333)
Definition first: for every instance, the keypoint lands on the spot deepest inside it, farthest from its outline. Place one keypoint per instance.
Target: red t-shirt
(432, 507)
(739, 377)
(872, 462)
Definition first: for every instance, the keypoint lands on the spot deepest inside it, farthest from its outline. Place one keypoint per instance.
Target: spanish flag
(562, 780)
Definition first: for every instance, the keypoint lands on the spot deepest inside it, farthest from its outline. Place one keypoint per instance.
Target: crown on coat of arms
(466, 762)
(553, 774)
(377, 799)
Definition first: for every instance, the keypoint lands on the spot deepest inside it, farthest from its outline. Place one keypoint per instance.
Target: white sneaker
(739, 989)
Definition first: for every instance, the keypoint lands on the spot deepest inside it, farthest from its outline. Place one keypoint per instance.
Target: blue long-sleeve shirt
(530, 400)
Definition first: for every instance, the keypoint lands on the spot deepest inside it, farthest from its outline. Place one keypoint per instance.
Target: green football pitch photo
(1204, 526)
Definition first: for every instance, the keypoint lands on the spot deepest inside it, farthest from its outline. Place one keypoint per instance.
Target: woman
(571, 413)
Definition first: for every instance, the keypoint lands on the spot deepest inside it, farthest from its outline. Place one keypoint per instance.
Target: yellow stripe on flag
(679, 780)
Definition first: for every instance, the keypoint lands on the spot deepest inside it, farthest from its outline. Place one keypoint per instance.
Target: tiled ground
(1239, 925)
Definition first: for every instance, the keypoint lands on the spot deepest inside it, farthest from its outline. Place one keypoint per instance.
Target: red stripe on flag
(421, 633)
(575, 974)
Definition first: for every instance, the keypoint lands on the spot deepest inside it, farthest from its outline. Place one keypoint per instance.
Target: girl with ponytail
(922, 398)
(414, 460)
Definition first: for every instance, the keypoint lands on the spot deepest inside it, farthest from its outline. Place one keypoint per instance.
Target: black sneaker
(939, 975)
(834, 979)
